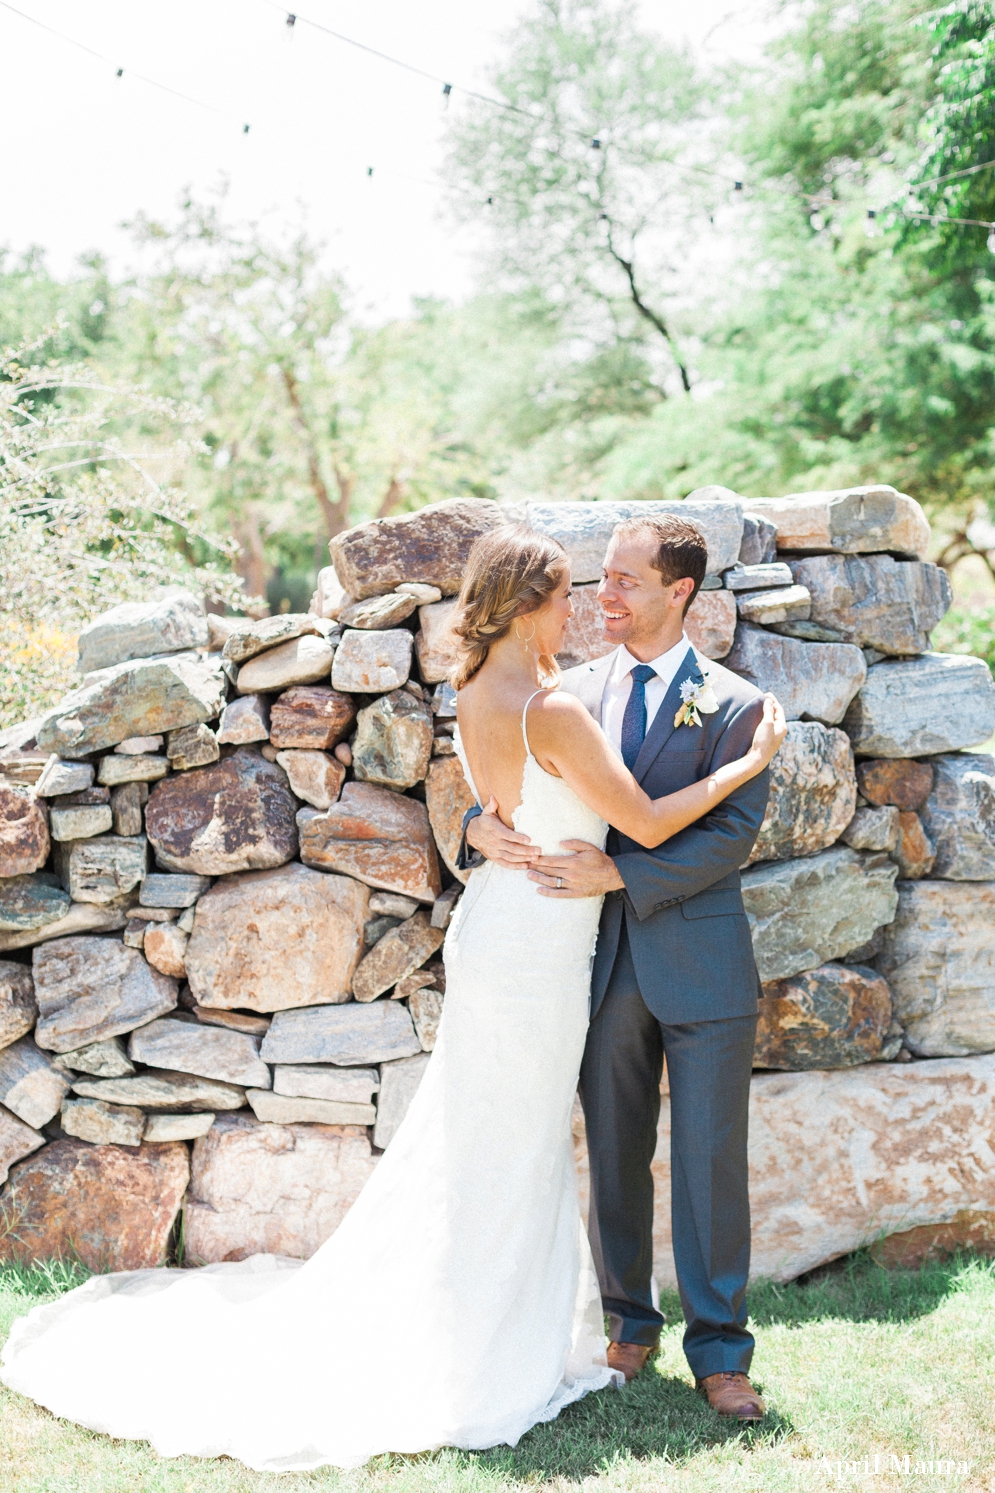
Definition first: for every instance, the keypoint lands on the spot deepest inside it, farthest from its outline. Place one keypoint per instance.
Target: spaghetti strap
(525, 732)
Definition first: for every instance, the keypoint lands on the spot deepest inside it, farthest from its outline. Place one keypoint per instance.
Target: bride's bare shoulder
(555, 713)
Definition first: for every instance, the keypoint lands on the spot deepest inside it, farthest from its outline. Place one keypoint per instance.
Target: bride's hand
(771, 731)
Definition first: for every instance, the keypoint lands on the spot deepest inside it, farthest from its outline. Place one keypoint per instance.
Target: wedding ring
(559, 883)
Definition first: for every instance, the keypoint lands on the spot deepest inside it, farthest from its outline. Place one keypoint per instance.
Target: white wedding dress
(457, 1303)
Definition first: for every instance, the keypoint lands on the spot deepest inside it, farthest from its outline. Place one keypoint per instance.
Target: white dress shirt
(619, 687)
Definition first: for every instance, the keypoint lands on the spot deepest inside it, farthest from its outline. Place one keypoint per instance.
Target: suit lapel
(663, 722)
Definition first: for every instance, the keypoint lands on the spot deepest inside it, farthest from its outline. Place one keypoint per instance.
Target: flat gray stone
(304, 660)
(393, 742)
(32, 901)
(805, 912)
(385, 611)
(162, 1128)
(18, 1011)
(103, 1124)
(101, 869)
(207, 1051)
(139, 769)
(813, 681)
(938, 957)
(316, 1081)
(372, 662)
(91, 988)
(876, 601)
(959, 817)
(584, 529)
(245, 720)
(759, 546)
(161, 1090)
(277, 1109)
(851, 521)
(248, 638)
(80, 823)
(105, 1059)
(60, 777)
(145, 698)
(399, 1082)
(140, 746)
(176, 889)
(919, 707)
(138, 629)
(773, 576)
(82, 917)
(352, 1036)
(872, 829)
(30, 1086)
(792, 603)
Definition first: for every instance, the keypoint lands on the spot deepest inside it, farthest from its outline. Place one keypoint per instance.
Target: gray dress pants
(709, 1065)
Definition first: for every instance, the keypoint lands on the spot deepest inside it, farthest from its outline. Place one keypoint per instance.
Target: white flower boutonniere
(697, 695)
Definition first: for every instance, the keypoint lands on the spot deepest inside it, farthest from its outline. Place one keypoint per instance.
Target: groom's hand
(497, 842)
(586, 873)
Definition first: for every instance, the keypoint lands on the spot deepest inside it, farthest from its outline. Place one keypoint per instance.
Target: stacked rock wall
(227, 863)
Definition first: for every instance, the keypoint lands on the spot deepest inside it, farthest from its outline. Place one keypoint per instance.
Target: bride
(457, 1303)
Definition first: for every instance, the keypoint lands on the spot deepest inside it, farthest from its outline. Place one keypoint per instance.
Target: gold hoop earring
(526, 641)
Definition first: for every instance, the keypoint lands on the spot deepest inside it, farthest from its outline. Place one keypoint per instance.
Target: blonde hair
(510, 572)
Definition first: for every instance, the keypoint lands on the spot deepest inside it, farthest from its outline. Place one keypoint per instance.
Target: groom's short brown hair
(681, 547)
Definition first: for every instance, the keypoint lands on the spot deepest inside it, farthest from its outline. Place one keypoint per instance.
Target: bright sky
(85, 150)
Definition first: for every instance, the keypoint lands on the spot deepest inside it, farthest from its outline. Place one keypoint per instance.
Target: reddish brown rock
(272, 1189)
(832, 1017)
(448, 796)
(376, 835)
(270, 940)
(435, 643)
(314, 777)
(109, 1207)
(915, 852)
(430, 545)
(236, 815)
(24, 842)
(399, 952)
(164, 946)
(311, 716)
(905, 784)
(970, 1229)
(711, 622)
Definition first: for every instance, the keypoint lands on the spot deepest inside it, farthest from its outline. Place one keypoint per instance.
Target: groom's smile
(639, 609)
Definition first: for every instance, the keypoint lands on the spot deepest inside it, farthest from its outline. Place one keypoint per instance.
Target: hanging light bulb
(871, 223)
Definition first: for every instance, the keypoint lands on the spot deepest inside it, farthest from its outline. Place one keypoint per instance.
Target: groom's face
(639, 610)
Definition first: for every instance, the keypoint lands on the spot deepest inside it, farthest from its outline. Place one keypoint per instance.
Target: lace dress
(457, 1302)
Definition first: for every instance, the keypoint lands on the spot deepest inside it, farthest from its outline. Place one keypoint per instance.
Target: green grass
(855, 1361)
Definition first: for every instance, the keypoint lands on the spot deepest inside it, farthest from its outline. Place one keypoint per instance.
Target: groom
(673, 974)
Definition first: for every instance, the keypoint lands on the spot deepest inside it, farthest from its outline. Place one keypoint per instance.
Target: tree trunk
(334, 512)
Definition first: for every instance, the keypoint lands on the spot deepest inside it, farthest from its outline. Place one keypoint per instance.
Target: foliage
(84, 522)
(965, 630)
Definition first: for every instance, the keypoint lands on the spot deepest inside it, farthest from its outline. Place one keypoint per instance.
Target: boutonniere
(696, 695)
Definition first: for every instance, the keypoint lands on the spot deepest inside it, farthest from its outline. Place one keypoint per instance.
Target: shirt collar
(665, 666)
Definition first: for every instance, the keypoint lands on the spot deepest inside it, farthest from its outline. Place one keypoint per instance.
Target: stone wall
(227, 863)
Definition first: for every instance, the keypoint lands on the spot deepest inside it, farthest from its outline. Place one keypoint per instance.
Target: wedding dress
(457, 1303)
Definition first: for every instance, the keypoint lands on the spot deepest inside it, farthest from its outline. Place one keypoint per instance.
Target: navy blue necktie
(634, 719)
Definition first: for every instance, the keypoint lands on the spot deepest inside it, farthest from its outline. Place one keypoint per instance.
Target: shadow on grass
(856, 1288)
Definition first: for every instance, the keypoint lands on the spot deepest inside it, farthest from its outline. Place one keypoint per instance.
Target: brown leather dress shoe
(628, 1358)
(732, 1394)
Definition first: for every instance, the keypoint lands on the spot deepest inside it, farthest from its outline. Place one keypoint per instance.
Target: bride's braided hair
(509, 572)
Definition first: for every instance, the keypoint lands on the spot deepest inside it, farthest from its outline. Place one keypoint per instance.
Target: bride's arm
(563, 736)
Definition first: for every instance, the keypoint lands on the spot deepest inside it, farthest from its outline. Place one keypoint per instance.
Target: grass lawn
(856, 1361)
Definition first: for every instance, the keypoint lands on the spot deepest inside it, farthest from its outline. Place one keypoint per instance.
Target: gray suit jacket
(682, 903)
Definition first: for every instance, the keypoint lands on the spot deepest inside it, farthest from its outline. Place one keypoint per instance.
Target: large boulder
(876, 602)
(271, 1189)
(813, 681)
(351, 1036)
(584, 529)
(813, 793)
(109, 1207)
(31, 901)
(393, 741)
(848, 521)
(91, 988)
(938, 957)
(139, 629)
(24, 841)
(835, 1016)
(368, 663)
(805, 912)
(430, 545)
(236, 815)
(377, 836)
(959, 817)
(922, 706)
(206, 1051)
(269, 940)
(102, 869)
(448, 796)
(144, 698)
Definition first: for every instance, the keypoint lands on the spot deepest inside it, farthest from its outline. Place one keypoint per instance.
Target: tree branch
(334, 512)
(650, 315)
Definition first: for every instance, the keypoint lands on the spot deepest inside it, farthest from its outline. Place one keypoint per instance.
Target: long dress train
(456, 1304)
